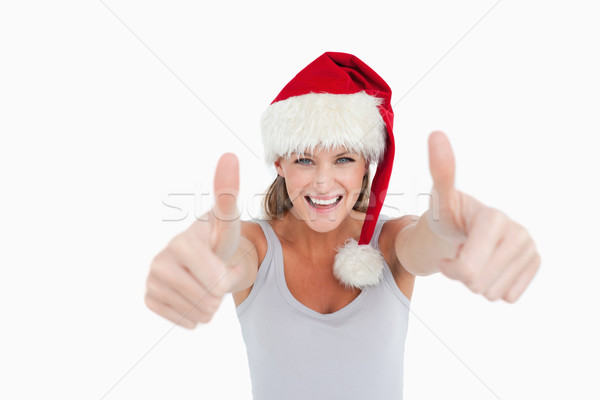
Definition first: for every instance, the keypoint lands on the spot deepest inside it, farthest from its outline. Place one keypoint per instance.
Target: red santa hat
(338, 100)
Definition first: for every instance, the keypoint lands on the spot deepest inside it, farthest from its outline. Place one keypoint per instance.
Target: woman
(322, 286)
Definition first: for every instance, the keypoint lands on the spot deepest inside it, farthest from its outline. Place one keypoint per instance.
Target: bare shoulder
(387, 240)
(252, 232)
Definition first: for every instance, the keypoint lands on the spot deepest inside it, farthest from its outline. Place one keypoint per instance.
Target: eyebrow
(310, 155)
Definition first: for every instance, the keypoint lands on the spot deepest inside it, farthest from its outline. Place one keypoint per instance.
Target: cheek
(296, 183)
(353, 179)
(353, 184)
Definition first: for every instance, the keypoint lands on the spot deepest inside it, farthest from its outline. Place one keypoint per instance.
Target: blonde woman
(322, 284)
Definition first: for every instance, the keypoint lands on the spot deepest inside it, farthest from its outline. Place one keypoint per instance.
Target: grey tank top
(296, 353)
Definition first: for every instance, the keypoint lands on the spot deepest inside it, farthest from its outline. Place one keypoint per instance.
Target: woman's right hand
(190, 276)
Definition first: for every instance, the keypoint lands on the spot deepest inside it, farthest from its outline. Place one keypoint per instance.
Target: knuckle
(152, 286)
(212, 304)
(155, 264)
(476, 287)
(159, 265)
(529, 253)
(522, 234)
(187, 323)
(491, 295)
(496, 217)
(205, 318)
(206, 304)
(167, 272)
(200, 307)
(511, 297)
(151, 303)
(160, 272)
(179, 244)
(189, 313)
(468, 273)
(161, 257)
(212, 300)
(184, 317)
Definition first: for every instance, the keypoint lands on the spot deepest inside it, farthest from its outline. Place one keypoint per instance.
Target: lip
(322, 210)
(335, 196)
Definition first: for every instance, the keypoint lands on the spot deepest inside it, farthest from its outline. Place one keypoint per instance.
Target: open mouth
(322, 204)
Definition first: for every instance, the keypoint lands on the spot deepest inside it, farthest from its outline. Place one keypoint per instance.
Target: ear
(278, 167)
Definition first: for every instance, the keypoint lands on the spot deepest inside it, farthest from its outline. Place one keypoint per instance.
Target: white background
(108, 108)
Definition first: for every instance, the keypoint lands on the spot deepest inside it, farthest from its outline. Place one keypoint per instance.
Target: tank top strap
(388, 277)
(377, 231)
(268, 231)
(273, 246)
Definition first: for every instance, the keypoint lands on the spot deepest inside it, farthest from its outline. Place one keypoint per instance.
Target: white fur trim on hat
(312, 121)
(358, 265)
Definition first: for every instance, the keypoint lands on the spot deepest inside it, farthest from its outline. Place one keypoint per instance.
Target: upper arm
(249, 255)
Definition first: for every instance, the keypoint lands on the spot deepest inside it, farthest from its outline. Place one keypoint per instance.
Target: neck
(296, 231)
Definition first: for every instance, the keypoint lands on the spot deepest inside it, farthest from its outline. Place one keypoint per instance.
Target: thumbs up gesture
(496, 256)
(188, 279)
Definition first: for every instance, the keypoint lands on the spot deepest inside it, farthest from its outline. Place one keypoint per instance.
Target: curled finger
(192, 311)
(509, 274)
(168, 312)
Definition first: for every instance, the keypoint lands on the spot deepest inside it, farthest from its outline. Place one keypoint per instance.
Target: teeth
(324, 202)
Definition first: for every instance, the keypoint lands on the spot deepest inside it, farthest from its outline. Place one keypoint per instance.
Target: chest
(310, 280)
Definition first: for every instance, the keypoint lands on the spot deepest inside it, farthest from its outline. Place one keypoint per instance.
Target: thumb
(225, 223)
(226, 186)
(441, 165)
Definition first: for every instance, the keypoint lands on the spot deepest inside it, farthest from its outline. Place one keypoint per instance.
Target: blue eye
(345, 160)
(303, 161)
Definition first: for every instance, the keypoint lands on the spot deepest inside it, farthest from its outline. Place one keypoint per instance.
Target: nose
(323, 181)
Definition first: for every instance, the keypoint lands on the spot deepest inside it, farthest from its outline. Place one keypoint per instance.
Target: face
(323, 186)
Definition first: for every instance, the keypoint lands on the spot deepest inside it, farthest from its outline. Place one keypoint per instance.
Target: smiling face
(323, 186)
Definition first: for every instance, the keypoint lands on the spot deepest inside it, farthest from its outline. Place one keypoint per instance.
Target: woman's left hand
(496, 256)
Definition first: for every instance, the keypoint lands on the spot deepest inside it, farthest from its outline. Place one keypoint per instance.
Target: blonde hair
(277, 202)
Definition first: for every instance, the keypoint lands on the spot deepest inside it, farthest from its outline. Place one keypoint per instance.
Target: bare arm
(465, 239)
(244, 259)
(190, 276)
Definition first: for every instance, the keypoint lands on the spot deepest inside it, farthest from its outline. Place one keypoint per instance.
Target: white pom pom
(358, 265)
